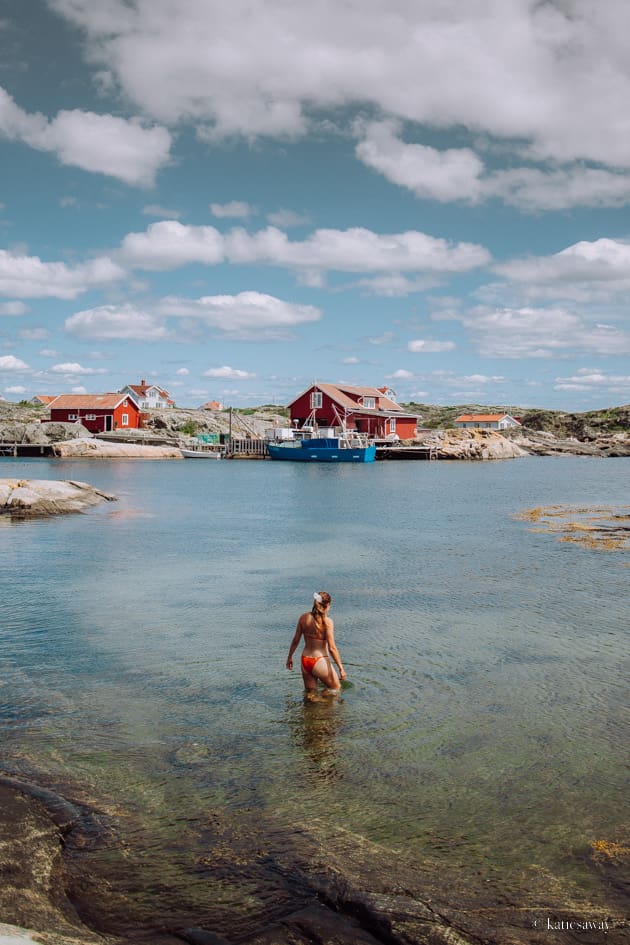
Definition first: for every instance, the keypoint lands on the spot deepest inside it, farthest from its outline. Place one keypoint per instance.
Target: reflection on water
(315, 724)
(143, 653)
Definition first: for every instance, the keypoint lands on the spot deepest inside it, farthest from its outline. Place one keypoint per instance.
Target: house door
(108, 422)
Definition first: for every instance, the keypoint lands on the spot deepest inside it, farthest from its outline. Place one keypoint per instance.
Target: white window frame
(316, 399)
(369, 403)
(124, 420)
(392, 424)
(72, 416)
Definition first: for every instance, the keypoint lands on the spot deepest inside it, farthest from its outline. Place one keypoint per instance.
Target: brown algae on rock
(598, 528)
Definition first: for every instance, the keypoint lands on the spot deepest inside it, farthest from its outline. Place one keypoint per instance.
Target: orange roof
(485, 417)
(87, 401)
(212, 405)
(45, 398)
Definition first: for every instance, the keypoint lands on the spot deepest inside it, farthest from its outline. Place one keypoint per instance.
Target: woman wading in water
(318, 631)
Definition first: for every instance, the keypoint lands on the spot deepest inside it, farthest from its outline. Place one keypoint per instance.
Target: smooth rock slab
(86, 448)
(22, 498)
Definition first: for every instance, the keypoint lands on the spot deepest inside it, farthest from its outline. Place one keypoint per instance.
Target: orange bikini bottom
(308, 662)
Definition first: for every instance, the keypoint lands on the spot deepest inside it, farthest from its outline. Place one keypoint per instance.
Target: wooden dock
(406, 453)
(26, 449)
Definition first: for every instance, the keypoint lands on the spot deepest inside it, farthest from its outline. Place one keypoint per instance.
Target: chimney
(143, 383)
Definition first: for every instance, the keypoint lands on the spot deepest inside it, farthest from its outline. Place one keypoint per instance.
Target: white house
(486, 421)
(148, 396)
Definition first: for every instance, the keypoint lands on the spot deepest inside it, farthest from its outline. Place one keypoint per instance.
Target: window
(369, 402)
(392, 424)
(90, 416)
(72, 416)
(125, 403)
(145, 403)
(125, 420)
(316, 399)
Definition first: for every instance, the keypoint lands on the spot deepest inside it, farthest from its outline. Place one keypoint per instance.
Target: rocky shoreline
(29, 498)
(337, 889)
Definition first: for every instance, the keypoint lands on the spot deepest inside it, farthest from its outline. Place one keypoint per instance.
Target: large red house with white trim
(98, 413)
(370, 410)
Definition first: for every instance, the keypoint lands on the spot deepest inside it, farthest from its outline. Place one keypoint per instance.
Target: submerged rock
(84, 448)
(21, 498)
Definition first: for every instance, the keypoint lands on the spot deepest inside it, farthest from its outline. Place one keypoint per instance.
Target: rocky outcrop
(543, 443)
(86, 448)
(471, 444)
(22, 498)
(39, 434)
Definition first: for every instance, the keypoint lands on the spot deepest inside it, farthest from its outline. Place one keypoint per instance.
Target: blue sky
(234, 200)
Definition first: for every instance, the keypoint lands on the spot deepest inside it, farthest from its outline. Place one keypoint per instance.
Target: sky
(234, 200)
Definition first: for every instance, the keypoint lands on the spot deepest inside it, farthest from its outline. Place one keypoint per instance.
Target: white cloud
(29, 277)
(459, 174)
(49, 353)
(423, 346)
(79, 390)
(401, 375)
(227, 372)
(350, 360)
(247, 315)
(589, 380)
(453, 174)
(604, 260)
(73, 368)
(34, 334)
(258, 68)
(13, 308)
(182, 372)
(155, 210)
(168, 244)
(18, 389)
(122, 322)
(396, 285)
(540, 333)
(232, 209)
(105, 144)
(285, 219)
(9, 363)
(354, 250)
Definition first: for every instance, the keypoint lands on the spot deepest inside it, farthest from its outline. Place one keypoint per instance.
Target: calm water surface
(143, 649)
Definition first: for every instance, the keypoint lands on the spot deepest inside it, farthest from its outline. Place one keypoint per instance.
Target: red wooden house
(98, 413)
(368, 410)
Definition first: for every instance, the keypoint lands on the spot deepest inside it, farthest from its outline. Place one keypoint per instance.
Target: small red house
(99, 413)
(368, 410)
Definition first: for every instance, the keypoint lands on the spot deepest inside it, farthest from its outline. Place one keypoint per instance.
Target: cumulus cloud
(227, 372)
(168, 244)
(587, 379)
(540, 333)
(424, 346)
(105, 144)
(453, 174)
(401, 375)
(232, 209)
(459, 174)
(73, 368)
(122, 322)
(29, 277)
(247, 315)
(17, 389)
(259, 68)
(182, 372)
(603, 260)
(156, 210)
(9, 363)
(285, 219)
(13, 308)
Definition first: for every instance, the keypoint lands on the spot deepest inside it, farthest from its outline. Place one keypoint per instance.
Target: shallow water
(143, 649)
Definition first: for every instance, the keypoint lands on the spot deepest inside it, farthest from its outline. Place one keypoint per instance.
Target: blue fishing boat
(330, 449)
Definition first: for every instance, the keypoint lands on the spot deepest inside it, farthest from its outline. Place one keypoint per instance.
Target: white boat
(200, 453)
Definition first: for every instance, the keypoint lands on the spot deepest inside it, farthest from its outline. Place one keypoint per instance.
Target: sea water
(144, 645)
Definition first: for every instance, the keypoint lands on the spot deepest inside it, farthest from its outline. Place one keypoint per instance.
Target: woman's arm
(294, 643)
(332, 648)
